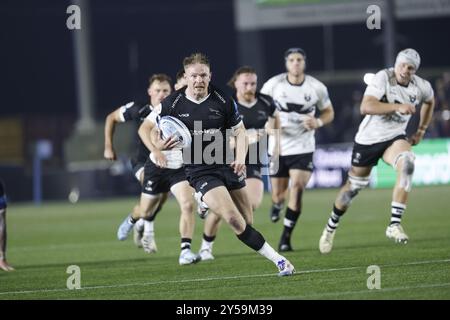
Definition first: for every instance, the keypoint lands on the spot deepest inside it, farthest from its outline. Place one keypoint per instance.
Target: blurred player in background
(298, 97)
(4, 265)
(388, 104)
(164, 172)
(159, 87)
(208, 114)
(180, 80)
(257, 110)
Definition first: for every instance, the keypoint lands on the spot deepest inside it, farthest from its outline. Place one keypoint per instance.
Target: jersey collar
(197, 101)
(293, 84)
(248, 105)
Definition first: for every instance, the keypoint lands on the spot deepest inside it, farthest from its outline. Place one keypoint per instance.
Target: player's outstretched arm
(370, 105)
(426, 114)
(110, 124)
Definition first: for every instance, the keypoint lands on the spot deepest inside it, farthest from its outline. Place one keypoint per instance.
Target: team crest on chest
(412, 99)
(307, 97)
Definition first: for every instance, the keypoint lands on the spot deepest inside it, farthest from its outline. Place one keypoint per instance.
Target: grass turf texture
(44, 241)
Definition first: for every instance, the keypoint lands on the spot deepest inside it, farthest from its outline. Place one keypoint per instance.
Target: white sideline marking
(248, 276)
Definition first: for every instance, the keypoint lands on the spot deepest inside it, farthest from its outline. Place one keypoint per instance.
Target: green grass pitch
(44, 241)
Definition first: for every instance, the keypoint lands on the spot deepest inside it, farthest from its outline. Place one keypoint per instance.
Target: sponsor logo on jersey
(204, 184)
(216, 114)
(206, 131)
(183, 115)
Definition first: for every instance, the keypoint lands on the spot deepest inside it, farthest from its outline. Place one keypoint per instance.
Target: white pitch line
(219, 278)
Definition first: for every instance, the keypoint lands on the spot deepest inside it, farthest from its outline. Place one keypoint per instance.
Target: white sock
(140, 224)
(206, 245)
(269, 252)
(148, 227)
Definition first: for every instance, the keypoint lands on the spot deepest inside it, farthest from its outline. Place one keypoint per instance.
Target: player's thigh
(397, 147)
(148, 203)
(163, 198)
(219, 201)
(255, 190)
(360, 172)
(183, 193)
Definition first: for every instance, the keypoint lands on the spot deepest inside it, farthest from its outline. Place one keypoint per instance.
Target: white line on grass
(233, 278)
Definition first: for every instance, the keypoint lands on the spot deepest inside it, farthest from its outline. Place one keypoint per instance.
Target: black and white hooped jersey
(208, 120)
(295, 103)
(137, 112)
(384, 87)
(255, 117)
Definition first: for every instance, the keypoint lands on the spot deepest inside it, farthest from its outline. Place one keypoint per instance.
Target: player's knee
(356, 184)
(298, 185)
(186, 207)
(404, 162)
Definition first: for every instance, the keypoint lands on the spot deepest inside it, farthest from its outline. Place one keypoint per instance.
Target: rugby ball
(171, 126)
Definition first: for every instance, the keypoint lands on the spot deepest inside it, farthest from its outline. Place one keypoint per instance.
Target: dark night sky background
(37, 66)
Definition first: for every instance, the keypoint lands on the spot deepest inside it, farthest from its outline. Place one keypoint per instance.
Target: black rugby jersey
(210, 123)
(255, 117)
(137, 112)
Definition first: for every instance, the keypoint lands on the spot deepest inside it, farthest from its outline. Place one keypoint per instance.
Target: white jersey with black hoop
(295, 103)
(384, 87)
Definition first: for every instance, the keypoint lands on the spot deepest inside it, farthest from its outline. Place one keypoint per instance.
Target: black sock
(333, 221)
(275, 211)
(133, 220)
(252, 238)
(208, 238)
(185, 243)
(290, 220)
(277, 206)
